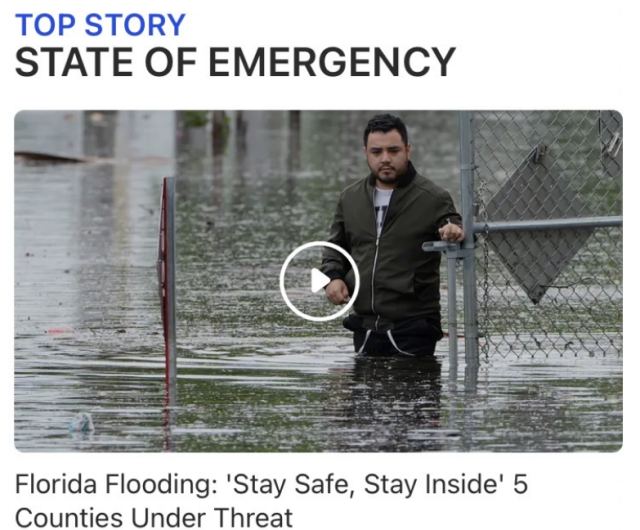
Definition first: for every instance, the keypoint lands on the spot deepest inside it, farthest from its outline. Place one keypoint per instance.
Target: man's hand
(451, 232)
(337, 292)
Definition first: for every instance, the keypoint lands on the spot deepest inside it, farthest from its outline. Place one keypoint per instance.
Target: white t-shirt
(381, 204)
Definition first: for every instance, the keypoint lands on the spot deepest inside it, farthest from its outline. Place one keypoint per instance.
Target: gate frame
(473, 227)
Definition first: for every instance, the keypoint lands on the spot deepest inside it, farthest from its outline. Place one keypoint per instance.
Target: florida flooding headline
(210, 513)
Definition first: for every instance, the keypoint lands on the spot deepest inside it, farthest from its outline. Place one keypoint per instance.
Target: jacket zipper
(373, 275)
(375, 258)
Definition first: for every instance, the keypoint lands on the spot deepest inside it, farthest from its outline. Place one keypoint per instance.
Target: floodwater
(252, 376)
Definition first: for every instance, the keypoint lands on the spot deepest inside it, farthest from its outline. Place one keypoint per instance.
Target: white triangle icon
(318, 280)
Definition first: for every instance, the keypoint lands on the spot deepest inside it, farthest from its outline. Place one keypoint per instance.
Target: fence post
(170, 289)
(467, 169)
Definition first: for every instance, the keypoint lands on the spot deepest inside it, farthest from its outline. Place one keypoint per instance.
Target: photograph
(335, 281)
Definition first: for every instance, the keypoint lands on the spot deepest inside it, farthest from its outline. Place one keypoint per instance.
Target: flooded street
(252, 376)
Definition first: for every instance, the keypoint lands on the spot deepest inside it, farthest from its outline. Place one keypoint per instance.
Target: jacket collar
(405, 179)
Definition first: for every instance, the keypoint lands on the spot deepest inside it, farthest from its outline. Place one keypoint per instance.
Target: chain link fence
(555, 289)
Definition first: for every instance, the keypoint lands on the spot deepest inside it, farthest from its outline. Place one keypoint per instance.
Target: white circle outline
(293, 255)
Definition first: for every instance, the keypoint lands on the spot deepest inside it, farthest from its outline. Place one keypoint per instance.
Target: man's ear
(408, 150)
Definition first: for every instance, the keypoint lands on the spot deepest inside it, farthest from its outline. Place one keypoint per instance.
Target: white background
(538, 55)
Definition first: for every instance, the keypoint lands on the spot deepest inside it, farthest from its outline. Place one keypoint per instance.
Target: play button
(319, 281)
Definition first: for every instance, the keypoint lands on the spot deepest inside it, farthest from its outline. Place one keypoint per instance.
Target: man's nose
(385, 157)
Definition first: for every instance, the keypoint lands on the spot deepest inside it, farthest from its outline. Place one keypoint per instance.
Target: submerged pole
(467, 172)
(170, 239)
(452, 311)
(452, 254)
(167, 286)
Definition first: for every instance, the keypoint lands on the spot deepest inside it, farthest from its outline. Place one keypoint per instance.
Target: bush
(195, 118)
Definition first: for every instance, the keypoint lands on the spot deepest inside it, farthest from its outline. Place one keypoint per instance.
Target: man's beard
(389, 179)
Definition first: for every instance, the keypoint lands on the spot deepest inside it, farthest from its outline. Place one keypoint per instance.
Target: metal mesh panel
(549, 291)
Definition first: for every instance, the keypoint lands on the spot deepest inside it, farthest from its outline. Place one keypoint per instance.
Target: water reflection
(393, 404)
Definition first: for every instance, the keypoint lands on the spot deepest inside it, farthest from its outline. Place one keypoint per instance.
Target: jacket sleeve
(446, 212)
(334, 264)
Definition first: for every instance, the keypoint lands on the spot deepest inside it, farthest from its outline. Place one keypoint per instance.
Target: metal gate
(542, 194)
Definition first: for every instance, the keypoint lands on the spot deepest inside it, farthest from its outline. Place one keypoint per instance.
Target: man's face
(387, 156)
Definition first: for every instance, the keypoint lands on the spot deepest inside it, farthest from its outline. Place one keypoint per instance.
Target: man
(382, 221)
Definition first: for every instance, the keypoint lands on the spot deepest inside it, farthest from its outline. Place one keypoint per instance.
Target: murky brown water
(252, 376)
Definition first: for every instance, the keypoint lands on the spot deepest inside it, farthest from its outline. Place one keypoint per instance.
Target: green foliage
(195, 118)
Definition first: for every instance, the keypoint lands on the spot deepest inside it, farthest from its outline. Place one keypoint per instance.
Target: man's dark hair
(385, 123)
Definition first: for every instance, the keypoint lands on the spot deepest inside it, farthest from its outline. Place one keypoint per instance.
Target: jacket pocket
(426, 288)
(400, 284)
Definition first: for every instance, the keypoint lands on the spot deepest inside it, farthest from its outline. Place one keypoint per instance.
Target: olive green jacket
(398, 280)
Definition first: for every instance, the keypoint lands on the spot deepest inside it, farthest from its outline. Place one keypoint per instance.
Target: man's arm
(449, 221)
(334, 264)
